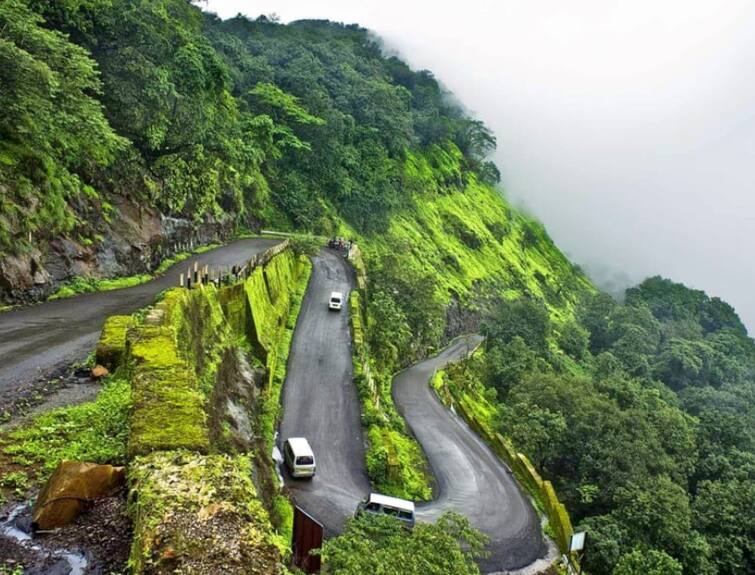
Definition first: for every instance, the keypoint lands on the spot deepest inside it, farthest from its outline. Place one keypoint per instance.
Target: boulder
(99, 371)
(71, 489)
(22, 272)
(111, 346)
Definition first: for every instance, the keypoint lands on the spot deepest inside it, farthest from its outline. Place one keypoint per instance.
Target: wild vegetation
(641, 413)
(381, 545)
(95, 431)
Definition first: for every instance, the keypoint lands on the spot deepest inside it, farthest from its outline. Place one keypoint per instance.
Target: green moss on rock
(202, 332)
(111, 346)
(268, 294)
(199, 514)
(168, 408)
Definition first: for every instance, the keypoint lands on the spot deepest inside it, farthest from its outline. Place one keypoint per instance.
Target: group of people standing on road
(340, 243)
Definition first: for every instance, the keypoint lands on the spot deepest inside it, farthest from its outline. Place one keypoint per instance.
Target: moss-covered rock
(201, 329)
(111, 346)
(206, 369)
(168, 407)
(199, 514)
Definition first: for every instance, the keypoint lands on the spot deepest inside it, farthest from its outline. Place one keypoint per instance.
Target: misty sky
(628, 128)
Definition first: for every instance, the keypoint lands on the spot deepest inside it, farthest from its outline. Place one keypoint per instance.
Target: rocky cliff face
(135, 241)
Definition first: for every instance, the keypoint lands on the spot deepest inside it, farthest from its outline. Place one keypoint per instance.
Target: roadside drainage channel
(17, 528)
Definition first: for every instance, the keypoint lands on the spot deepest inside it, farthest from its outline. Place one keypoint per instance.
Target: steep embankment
(445, 262)
(476, 247)
(206, 366)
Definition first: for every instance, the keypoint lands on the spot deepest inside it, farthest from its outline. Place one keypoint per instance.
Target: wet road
(35, 340)
(470, 478)
(320, 402)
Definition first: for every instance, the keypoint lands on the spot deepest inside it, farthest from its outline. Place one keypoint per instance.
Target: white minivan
(377, 504)
(336, 300)
(299, 457)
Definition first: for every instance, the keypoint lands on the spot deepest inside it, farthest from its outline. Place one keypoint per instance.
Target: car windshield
(305, 460)
(335, 299)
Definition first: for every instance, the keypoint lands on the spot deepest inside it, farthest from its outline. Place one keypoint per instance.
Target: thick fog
(628, 128)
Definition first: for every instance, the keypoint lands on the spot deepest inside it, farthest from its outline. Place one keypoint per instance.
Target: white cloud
(627, 127)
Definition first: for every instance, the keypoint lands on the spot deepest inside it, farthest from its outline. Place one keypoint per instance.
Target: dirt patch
(97, 542)
(66, 385)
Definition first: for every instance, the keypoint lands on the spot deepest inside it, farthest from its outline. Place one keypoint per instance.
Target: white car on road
(377, 504)
(336, 301)
(299, 457)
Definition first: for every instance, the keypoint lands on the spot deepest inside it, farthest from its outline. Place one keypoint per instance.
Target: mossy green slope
(184, 507)
(473, 236)
(197, 509)
(471, 246)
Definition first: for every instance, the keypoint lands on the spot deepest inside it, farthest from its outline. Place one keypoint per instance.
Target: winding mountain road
(470, 478)
(320, 402)
(37, 339)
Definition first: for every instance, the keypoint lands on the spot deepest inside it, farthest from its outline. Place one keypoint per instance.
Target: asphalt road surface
(320, 400)
(470, 479)
(320, 403)
(37, 339)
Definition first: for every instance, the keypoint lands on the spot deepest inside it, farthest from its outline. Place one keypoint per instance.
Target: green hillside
(129, 128)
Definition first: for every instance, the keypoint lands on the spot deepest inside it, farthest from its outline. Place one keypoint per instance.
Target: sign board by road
(577, 541)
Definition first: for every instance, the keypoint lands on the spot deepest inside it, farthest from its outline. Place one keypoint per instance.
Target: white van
(299, 457)
(377, 504)
(336, 300)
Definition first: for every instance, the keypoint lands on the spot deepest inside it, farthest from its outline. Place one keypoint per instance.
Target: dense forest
(641, 412)
(250, 120)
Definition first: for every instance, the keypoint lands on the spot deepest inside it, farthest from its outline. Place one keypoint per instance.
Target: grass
(79, 285)
(17, 481)
(95, 431)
